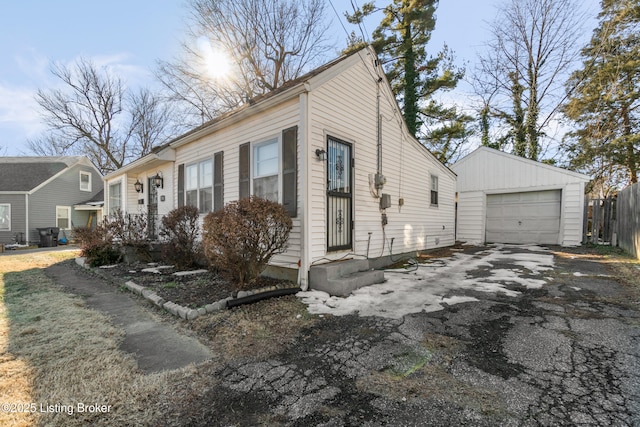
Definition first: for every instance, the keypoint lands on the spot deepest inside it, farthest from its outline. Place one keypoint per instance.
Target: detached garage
(504, 198)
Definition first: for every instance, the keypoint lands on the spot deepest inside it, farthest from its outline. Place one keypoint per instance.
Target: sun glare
(216, 62)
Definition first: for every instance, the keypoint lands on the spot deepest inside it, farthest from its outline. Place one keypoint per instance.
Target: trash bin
(48, 236)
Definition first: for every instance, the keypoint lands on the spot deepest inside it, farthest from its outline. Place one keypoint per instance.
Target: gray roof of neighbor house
(26, 173)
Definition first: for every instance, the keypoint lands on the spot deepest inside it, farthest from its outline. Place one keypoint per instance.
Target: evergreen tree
(401, 43)
(604, 96)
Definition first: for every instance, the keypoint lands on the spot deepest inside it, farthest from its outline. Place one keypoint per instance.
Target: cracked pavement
(564, 353)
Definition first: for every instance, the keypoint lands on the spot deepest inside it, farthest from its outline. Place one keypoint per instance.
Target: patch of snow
(432, 286)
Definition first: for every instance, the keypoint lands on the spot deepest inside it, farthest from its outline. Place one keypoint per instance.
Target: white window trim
(68, 209)
(213, 174)
(90, 185)
(9, 207)
(122, 195)
(252, 161)
(437, 189)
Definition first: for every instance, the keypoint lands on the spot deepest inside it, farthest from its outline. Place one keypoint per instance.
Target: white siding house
(503, 198)
(332, 147)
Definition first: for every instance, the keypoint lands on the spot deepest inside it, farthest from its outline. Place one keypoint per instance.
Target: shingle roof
(26, 173)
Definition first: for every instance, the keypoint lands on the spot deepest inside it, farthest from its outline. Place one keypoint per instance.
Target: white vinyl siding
(258, 128)
(485, 172)
(344, 107)
(5, 217)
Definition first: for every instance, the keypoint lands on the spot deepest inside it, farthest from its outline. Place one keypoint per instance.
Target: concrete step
(343, 277)
(333, 270)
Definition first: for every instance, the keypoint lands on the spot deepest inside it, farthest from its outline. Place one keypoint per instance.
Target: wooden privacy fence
(599, 225)
(629, 219)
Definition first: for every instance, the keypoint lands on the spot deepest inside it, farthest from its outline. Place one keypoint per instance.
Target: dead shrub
(96, 245)
(180, 229)
(240, 239)
(118, 236)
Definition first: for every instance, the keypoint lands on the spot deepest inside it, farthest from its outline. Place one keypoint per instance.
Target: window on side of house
(266, 170)
(63, 217)
(434, 190)
(199, 185)
(115, 197)
(269, 169)
(5, 217)
(85, 181)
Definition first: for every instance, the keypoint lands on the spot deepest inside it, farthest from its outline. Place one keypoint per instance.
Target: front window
(5, 217)
(115, 197)
(199, 185)
(434, 190)
(265, 170)
(85, 181)
(63, 217)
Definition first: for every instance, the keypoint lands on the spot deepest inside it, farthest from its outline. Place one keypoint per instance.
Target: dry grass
(264, 328)
(54, 351)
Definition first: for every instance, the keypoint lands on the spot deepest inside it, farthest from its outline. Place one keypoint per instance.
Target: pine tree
(604, 96)
(401, 43)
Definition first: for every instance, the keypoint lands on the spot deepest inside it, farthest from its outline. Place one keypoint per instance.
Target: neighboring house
(39, 192)
(503, 198)
(331, 146)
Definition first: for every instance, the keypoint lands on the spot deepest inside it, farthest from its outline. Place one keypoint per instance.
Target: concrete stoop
(340, 278)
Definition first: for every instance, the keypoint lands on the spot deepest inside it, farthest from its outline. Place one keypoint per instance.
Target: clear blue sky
(131, 35)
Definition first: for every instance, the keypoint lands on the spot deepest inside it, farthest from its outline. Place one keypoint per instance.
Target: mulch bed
(192, 291)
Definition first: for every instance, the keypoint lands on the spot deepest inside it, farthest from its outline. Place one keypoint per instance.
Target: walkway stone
(155, 345)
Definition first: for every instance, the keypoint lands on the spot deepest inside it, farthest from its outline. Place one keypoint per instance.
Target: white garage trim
(524, 217)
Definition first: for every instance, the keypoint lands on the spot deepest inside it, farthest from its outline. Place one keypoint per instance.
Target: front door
(152, 209)
(339, 195)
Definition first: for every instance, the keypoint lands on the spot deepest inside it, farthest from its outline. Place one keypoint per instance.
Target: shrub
(96, 245)
(240, 239)
(181, 229)
(118, 236)
(129, 235)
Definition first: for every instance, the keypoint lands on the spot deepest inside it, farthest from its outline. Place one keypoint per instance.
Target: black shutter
(218, 181)
(181, 185)
(244, 190)
(290, 170)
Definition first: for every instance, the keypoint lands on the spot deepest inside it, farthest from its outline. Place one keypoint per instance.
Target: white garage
(502, 198)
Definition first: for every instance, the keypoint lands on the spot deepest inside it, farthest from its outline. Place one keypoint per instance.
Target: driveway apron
(155, 345)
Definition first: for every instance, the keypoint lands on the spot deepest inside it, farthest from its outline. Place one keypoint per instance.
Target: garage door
(528, 217)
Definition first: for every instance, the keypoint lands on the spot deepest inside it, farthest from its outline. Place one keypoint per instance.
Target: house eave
(240, 115)
(144, 163)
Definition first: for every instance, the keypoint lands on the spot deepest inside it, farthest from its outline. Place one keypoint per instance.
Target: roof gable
(487, 168)
(26, 173)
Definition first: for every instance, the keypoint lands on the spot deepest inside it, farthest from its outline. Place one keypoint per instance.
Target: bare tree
(266, 42)
(520, 76)
(93, 114)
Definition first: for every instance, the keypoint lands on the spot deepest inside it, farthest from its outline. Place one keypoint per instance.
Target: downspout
(305, 185)
(26, 217)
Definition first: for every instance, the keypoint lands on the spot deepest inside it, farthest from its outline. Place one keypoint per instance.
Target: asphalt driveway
(492, 336)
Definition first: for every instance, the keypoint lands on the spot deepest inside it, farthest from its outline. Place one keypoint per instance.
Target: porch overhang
(150, 161)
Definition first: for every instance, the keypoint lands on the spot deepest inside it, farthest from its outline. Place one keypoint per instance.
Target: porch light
(138, 186)
(321, 154)
(158, 181)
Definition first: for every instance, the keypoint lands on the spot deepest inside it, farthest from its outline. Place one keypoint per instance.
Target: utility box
(385, 201)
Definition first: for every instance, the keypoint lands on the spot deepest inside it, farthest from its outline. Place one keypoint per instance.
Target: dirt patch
(188, 290)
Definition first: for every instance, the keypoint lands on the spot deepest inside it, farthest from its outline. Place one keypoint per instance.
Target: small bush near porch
(240, 239)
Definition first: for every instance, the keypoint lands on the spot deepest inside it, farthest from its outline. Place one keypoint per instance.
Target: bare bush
(240, 239)
(181, 230)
